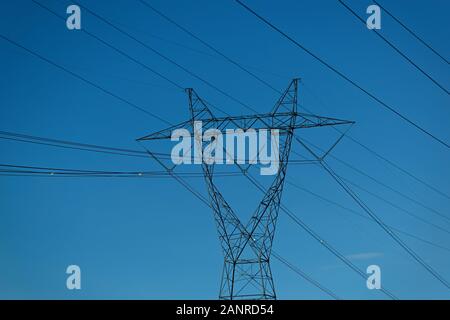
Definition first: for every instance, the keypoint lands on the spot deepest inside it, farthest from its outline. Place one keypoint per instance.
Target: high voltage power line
(170, 59)
(377, 219)
(187, 186)
(104, 90)
(243, 68)
(65, 172)
(259, 79)
(312, 233)
(31, 171)
(82, 78)
(153, 49)
(160, 54)
(415, 216)
(137, 153)
(376, 154)
(290, 214)
(14, 136)
(386, 228)
(304, 275)
(349, 191)
(343, 76)
(341, 206)
(412, 32)
(45, 59)
(377, 181)
(234, 62)
(390, 44)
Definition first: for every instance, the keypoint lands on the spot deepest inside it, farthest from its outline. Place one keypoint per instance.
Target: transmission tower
(247, 248)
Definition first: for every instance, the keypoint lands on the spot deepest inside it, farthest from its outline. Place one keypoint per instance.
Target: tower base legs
(247, 279)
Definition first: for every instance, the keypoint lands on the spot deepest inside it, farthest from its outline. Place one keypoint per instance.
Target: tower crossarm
(279, 120)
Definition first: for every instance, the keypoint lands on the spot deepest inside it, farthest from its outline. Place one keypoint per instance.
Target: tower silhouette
(247, 248)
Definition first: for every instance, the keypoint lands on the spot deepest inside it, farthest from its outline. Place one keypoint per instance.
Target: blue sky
(150, 238)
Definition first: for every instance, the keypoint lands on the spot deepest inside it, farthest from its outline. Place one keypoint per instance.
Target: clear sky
(150, 238)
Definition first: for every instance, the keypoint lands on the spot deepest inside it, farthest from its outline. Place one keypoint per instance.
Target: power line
(389, 43)
(71, 144)
(375, 153)
(137, 153)
(315, 235)
(304, 275)
(412, 32)
(123, 53)
(295, 185)
(75, 75)
(310, 231)
(13, 169)
(91, 83)
(359, 171)
(34, 53)
(243, 68)
(417, 217)
(100, 40)
(390, 188)
(184, 29)
(161, 55)
(372, 214)
(178, 65)
(50, 171)
(6, 135)
(53, 169)
(187, 31)
(99, 173)
(386, 228)
(188, 187)
(343, 76)
(165, 57)
(331, 249)
(145, 3)
(415, 177)
(411, 214)
(363, 206)
(377, 219)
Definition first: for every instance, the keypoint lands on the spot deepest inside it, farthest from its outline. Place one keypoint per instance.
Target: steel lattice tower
(247, 248)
